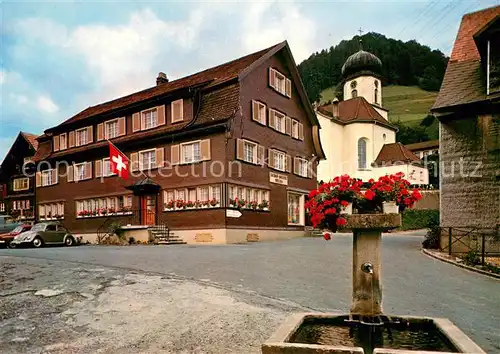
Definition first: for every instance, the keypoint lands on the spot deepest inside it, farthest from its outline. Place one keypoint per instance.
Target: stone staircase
(163, 236)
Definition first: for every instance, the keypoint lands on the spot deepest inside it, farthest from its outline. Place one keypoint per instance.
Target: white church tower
(362, 73)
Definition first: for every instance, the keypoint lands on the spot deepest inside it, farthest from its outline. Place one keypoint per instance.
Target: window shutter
(71, 139)
(288, 125)
(88, 170)
(288, 163)
(38, 179)
(175, 152)
(54, 176)
(309, 169)
(240, 144)
(70, 174)
(100, 131)
(98, 168)
(136, 122)
(122, 128)
(55, 140)
(134, 159)
(205, 150)
(270, 157)
(288, 87)
(255, 111)
(272, 118)
(261, 151)
(301, 131)
(177, 110)
(160, 112)
(272, 78)
(296, 166)
(160, 159)
(90, 134)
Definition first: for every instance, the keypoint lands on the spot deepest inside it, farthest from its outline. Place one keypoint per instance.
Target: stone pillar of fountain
(366, 282)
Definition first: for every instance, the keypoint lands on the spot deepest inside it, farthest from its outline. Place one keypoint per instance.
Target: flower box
(390, 208)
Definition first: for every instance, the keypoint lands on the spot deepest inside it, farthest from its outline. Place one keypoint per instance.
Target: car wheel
(10, 245)
(69, 241)
(37, 242)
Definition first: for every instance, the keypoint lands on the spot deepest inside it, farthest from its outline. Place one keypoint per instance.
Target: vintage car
(44, 233)
(7, 224)
(5, 239)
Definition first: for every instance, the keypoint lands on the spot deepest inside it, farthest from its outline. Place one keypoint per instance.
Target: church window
(384, 136)
(362, 153)
(353, 84)
(354, 93)
(376, 96)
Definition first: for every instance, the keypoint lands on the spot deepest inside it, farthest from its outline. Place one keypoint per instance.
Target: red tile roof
(464, 81)
(210, 77)
(31, 138)
(395, 152)
(424, 145)
(355, 110)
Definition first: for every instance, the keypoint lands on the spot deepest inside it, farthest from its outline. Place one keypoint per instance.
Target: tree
(410, 135)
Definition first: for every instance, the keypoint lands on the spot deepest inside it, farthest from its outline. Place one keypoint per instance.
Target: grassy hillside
(409, 104)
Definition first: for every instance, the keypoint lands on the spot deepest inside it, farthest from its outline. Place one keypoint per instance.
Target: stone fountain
(366, 329)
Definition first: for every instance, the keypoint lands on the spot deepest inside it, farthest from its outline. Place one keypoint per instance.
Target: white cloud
(18, 99)
(46, 104)
(2, 77)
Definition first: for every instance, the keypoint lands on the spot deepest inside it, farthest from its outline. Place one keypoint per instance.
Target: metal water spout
(367, 267)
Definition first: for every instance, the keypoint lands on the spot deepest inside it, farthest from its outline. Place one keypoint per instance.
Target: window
(177, 110)
(215, 193)
(250, 152)
(361, 153)
(46, 178)
(147, 159)
(192, 194)
(280, 82)
(21, 184)
(81, 171)
(112, 129)
(2, 206)
(280, 122)
(279, 160)
(259, 112)
(181, 194)
(62, 142)
(203, 193)
(376, 96)
(51, 211)
(190, 152)
(295, 209)
(170, 196)
(421, 176)
(493, 67)
(302, 166)
(248, 198)
(295, 129)
(354, 93)
(384, 137)
(81, 137)
(106, 168)
(149, 119)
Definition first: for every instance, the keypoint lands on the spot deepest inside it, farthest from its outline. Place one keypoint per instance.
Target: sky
(59, 57)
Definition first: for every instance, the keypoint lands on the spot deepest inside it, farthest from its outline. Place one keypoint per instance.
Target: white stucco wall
(414, 174)
(331, 135)
(382, 112)
(365, 85)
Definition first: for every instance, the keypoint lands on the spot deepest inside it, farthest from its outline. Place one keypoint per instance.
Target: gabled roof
(31, 138)
(395, 152)
(355, 110)
(464, 80)
(207, 78)
(424, 145)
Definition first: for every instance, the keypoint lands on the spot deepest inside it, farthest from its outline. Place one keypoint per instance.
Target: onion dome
(362, 62)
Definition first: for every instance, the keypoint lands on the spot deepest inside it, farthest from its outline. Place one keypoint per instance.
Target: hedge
(414, 219)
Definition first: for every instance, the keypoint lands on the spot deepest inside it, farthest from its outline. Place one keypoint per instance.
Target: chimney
(161, 79)
(335, 107)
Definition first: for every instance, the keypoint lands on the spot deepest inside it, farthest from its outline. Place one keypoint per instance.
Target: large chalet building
(239, 138)
(17, 188)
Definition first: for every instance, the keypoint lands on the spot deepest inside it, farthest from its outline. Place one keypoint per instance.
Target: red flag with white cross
(118, 161)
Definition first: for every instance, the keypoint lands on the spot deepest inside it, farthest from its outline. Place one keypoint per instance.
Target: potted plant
(179, 204)
(170, 205)
(254, 204)
(104, 211)
(213, 202)
(241, 203)
(198, 204)
(111, 210)
(264, 205)
(94, 212)
(189, 204)
(233, 202)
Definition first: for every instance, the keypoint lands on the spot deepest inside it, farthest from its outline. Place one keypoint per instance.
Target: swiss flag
(118, 161)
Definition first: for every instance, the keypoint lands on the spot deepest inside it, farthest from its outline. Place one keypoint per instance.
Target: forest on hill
(403, 63)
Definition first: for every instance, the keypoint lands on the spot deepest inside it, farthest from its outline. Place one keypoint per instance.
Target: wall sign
(278, 178)
(230, 213)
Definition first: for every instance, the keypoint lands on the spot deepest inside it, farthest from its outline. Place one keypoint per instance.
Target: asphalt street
(311, 273)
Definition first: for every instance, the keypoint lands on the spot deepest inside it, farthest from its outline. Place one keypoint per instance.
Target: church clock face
(354, 84)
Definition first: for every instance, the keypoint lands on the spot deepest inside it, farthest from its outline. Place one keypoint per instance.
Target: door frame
(143, 200)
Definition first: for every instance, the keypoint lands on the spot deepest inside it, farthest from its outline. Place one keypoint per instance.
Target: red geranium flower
(344, 203)
(326, 236)
(369, 194)
(341, 221)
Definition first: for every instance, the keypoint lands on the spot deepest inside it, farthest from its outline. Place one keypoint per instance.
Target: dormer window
(280, 82)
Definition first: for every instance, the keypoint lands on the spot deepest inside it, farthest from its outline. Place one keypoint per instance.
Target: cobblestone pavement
(312, 274)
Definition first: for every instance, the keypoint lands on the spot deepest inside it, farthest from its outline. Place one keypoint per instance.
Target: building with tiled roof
(424, 148)
(356, 134)
(17, 183)
(468, 109)
(221, 156)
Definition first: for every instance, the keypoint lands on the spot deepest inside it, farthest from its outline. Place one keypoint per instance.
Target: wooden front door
(148, 208)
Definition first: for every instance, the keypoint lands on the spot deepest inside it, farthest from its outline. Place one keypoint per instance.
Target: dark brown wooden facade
(17, 185)
(267, 159)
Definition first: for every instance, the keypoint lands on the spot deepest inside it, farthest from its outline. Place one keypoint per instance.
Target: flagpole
(142, 172)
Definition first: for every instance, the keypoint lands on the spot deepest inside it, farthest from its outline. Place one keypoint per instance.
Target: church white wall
(365, 85)
(331, 135)
(378, 138)
(352, 133)
(414, 174)
(382, 112)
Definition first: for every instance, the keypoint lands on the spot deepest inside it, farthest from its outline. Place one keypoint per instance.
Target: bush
(414, 219)
(115, 229)
(131, 240)
(471, 258)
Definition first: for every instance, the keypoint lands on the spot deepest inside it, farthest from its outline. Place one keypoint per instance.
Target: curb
(472, 269)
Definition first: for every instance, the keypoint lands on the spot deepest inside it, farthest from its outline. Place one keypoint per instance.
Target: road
(314, 274)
